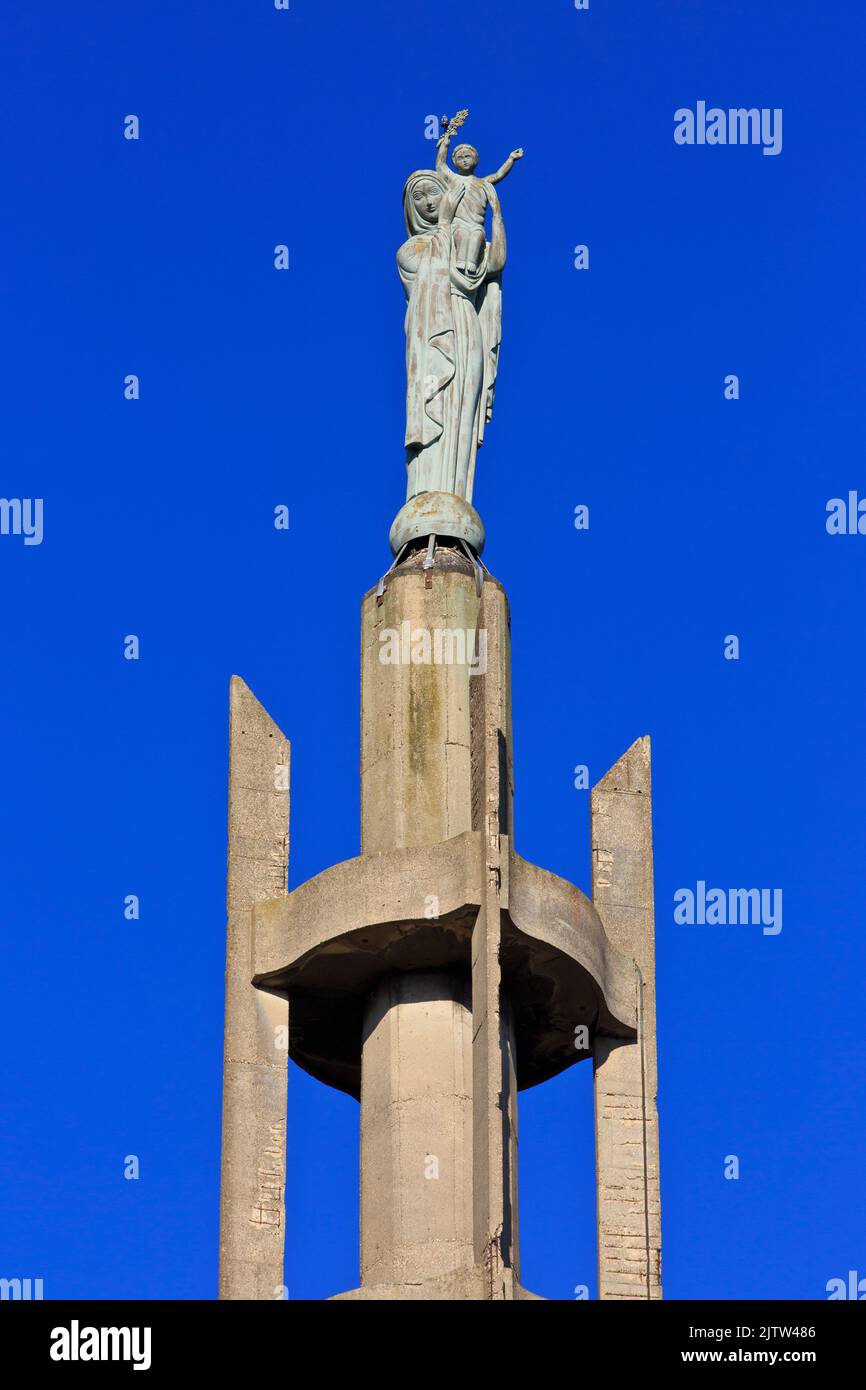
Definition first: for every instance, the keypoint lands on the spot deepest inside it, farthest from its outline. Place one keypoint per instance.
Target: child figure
(468, 223)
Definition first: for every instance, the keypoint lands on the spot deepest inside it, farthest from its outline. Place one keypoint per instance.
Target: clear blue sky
(258, 387)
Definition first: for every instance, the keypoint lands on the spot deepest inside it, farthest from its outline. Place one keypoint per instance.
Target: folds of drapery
(453, 333)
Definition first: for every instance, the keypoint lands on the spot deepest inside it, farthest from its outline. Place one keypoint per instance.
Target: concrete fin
(252, 1205)
(626, 1073)
(494, 1083)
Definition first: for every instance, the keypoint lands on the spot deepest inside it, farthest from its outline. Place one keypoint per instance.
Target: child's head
(465, 158)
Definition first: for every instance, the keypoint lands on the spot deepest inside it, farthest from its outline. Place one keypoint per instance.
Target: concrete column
(435, 762)
(416, 1129)
(252, 1207)
(626, 1077)
(416, 773)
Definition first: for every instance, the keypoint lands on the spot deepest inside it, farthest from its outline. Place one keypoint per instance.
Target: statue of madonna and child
(452, 276)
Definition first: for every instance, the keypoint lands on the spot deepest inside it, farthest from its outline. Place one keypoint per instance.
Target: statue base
(441, 514)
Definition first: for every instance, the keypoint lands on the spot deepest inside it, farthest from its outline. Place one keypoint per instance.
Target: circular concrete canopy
(558, 969)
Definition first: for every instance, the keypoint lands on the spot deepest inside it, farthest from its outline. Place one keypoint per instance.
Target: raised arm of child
(442, 156)
(504, 168)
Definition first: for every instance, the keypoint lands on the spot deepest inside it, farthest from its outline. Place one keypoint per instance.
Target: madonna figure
(453, 330)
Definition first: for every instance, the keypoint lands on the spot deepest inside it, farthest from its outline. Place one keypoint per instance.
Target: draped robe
(453, 331)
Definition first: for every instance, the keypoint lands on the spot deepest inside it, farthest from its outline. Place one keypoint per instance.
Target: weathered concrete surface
(464, 1285)
(416, 777)
(626, 1078)
(494, 1079)
(252, 1210)
(331, 940)
(416, 1128)
(436, 762)
(553, 945)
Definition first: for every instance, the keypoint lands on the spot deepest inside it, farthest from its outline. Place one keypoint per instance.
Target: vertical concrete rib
(493, 1083)
(626, 1078)
(252, 1204)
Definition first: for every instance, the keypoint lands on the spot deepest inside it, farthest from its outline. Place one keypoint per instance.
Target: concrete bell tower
(438, 973)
